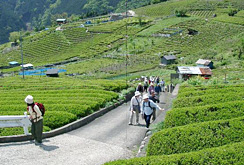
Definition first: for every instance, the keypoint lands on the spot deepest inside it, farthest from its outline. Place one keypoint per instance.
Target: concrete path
(105, 139)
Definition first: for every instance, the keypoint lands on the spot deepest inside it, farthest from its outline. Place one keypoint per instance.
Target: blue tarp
(39, 72)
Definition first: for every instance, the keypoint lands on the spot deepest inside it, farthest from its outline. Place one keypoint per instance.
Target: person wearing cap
(147, 109)
(135, 107)
(155, 100)
(35, 118)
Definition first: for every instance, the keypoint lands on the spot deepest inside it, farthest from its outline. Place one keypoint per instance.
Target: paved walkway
(105, 139)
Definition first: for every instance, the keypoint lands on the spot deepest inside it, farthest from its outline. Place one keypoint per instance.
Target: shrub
(17, 131)
(55, 119)
(183, 116)
(207, 99)
(181, 12)
(195, 137)
(228, 154)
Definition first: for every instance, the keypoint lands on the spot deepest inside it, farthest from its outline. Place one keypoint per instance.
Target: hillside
(37, 14)
(102, 45)
(99, 49)
(98, 55)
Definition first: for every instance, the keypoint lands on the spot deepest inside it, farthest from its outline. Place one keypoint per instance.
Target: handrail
(16, 121)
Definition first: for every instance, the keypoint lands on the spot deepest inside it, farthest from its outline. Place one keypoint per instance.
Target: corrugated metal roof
(27, 65)
(61, 20)
(170, 57)
(206, 71)
(52, 71)
(203, 62)
(194, 70)
(13, 62)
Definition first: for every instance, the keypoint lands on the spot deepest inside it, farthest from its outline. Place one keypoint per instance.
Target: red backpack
(41, 107)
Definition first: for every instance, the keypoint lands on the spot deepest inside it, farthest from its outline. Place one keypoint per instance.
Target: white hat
(137, 93)
(29, 99)
(145, 97)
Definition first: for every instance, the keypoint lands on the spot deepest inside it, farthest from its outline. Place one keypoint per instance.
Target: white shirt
(35, 114)
(146, 109)
(135, 101)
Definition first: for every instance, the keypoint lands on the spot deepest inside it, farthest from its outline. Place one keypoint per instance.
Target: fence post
(25, 125)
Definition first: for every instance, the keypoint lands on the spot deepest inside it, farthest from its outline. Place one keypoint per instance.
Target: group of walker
(146, 106)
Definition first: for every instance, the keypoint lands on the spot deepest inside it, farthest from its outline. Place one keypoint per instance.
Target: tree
(14, 37)
(181, 12)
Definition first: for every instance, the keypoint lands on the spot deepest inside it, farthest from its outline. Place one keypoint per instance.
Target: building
(52, 73)
(185, 72)
(13, 63)
(204, 63)
(61, 21)
(116, 17)
(27, 66)
(167, 60)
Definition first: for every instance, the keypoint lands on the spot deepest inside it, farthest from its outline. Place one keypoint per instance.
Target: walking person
(162, 83)
(139, 88)
(147, 109)
(151, 88)
(158, 90)
(35, 118)
(145, 85)
(155, 100)
(135, 107)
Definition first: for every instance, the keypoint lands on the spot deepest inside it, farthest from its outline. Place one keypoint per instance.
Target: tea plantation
(205, 124)
(66, 99)
(199, 134)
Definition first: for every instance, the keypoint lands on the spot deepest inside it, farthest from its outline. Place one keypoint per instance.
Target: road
(107, 138)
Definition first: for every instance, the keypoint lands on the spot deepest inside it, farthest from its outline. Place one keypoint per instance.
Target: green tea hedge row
(76, 109)
(207, 99)
(56, 119)
(183, 116)
(195, 137)
(185, 88)
(227, 154)
(190, 93)
(18, 131)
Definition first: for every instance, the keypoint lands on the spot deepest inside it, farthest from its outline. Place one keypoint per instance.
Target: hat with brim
(29, 99)
(137, 93)
(145, 97)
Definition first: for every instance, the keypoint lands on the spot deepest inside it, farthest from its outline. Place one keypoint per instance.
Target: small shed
(61, 21)
(185, 72)
(13, 63)
(204, 63)
(52, 73)
(167, 60)
(27, 66)
(116, 17)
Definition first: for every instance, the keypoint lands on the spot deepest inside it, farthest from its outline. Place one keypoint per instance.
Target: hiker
(158, 90)
(145, 86)
(139, 88)
(157, 80)
(151, 88)
(36, 119)
(147, 109)
(155, 100)
(135, 107)
(162, 83)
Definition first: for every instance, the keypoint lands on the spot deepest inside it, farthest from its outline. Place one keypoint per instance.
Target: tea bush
(195, 137)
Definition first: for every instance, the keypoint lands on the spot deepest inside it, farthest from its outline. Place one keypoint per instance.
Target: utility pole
(22, 58)
(126, 41)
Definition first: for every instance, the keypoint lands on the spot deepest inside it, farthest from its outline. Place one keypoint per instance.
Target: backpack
(148, 104)
(41, 107)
